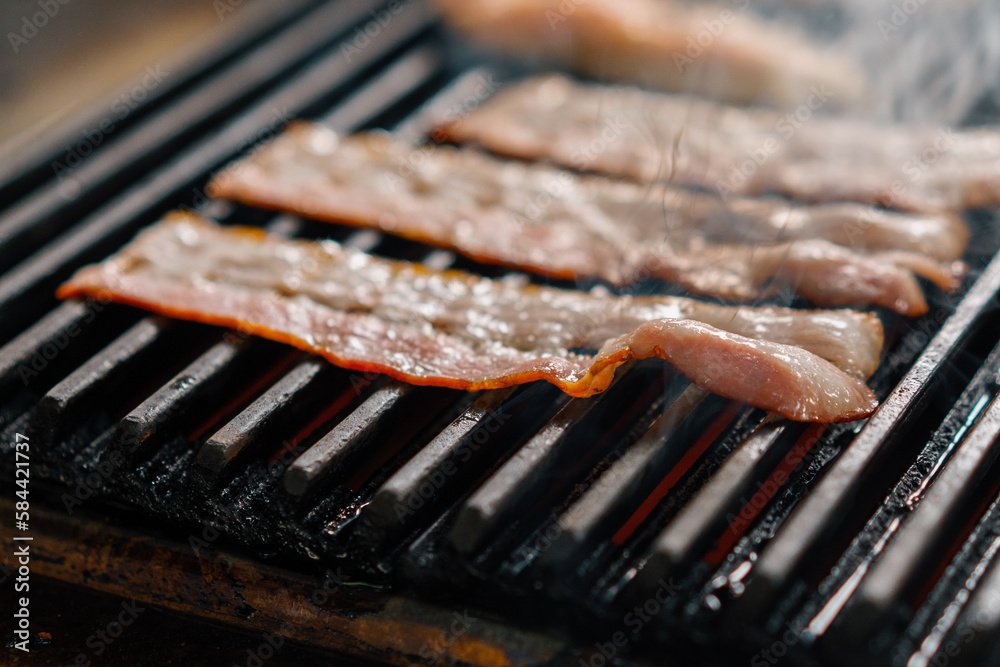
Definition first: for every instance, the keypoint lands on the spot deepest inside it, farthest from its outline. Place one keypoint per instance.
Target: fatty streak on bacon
(737, 151)
(712, 49)
(568, 226)
(458, 330)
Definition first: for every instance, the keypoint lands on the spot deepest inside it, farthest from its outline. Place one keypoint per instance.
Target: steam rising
(929, 61)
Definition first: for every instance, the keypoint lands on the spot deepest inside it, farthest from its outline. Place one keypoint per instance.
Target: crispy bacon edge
(781, 378)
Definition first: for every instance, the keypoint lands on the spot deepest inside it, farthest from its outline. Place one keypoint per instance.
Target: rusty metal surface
(200, 580)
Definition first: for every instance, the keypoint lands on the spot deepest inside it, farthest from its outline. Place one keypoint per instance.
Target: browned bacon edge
(782, 378)
(924, 169)
(825, 273)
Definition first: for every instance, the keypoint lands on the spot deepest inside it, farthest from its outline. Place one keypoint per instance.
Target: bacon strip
(732, 151)
(568, 226)
(716, 49)
(458, 330)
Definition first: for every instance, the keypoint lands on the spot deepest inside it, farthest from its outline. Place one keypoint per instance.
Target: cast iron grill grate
(574, 517)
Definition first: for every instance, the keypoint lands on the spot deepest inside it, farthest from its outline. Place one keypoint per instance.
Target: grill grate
(563, 515)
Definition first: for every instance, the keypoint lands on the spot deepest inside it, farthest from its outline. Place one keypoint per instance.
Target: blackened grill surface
(872, 542)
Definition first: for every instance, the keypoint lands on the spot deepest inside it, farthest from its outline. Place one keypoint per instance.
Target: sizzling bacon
(458, 330)
(716, 49)
(736, 151)
(569, 226)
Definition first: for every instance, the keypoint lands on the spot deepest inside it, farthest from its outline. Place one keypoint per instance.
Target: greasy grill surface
(679, 518)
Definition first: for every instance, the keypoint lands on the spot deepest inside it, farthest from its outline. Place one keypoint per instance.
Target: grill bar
(579, 507)
(225, 447)
(978, 632)
(387, 403)
(427, 468)
(692, 530)
(87, 386)
(927, 532)
(622, 485)
(145, 425)
(695, 457)
(167, 128)
(464, 94)
(909, 491)
(817, 515)
(938, 625)
(507, 490)
(63, 322)
(21, 289)
(25, 169)
(348, 438)
(402, 77)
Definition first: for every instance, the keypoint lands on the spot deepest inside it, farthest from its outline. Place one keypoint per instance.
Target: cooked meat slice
(717, 49)
(568, 226)
(459, 330)
(652, 137)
